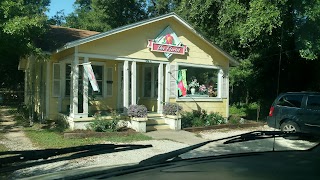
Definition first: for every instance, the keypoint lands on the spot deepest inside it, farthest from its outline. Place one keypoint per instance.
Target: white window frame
(63, 77)
(153, 66)
(107, 70)
(219, 88)
(104, 77)
(54, 79)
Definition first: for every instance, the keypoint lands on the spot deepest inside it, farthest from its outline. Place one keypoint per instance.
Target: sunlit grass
(44, 138)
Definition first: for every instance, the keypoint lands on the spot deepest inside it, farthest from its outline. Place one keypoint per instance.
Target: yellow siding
(213, 106)
(133, 44)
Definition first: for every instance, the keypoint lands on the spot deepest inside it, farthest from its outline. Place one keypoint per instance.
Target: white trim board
(107, 57)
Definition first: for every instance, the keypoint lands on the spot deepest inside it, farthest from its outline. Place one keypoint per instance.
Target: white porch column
(220, 81)
(160, 88)
(74, 87)
(85, 91)
(126, 86)
(167, 83)
(134, 83)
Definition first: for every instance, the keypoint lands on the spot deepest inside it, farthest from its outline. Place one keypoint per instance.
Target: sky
(57, 5)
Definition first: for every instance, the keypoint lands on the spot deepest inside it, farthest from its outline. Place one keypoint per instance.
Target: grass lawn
(44, 138)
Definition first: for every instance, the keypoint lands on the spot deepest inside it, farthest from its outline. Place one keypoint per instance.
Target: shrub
(186, 119)
(171, 109)
(137, 111)
(214, 119)
(101, 124)
(200, 118)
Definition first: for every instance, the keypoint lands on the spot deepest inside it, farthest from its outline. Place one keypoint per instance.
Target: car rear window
(290, 101)
(313, 102)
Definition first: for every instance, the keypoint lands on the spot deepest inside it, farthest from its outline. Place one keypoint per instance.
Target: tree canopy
(21, 22)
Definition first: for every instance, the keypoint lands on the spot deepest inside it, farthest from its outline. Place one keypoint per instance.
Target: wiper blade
(9, 163)
(254, 135)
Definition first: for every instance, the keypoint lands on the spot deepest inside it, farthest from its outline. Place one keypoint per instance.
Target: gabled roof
(141, 23)
(58, 36)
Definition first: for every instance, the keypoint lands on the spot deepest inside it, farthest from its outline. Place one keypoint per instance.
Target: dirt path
(12, 136)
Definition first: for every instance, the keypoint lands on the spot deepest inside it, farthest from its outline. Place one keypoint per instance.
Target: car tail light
(271, 111)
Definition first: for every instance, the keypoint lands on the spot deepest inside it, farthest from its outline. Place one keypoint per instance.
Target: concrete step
(152, 115)
(157, 127)
(155, 121)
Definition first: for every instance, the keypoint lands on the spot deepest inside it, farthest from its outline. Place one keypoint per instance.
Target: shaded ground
(13, 138)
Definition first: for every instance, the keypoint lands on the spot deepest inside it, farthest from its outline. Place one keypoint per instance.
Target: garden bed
(222, 126)
(92, 134)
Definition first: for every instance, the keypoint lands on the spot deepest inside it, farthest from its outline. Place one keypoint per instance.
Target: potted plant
(172, 115)
(171, 109)
(202, 89)
(137, 111)
(193, 84)
(211, 92)
(138, 115)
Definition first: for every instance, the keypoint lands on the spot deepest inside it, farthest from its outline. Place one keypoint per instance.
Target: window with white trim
(56, 80)
(98, 72)
(150, 81)
(197, 81)
(109, 81)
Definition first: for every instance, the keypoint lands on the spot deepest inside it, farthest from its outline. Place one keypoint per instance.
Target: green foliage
(21, 23)
(103, 15)
(101, 124)
(247, 111)
(200, 118)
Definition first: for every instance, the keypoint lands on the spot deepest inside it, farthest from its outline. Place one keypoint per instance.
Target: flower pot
(193, 90)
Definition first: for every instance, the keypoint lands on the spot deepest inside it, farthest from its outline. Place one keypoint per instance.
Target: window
(56, 80)
(197, 82)
(291, 101)
(98, 72)
(109, 81)
(147, 81)
(313, 102)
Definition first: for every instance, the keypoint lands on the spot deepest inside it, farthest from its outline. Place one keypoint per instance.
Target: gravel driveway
(163, 146)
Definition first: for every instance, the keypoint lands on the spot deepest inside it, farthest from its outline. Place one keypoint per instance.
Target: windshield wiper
(14, 160)
(254, 135)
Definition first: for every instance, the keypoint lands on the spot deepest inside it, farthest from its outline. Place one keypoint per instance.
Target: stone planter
(174, 121)
(139, 124)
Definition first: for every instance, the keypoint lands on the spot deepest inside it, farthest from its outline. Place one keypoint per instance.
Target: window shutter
(225, 85)
(109, 81)
(173, 80)
(56, 80)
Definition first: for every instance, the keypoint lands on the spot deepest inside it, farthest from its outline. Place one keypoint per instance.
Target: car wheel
(290, 126)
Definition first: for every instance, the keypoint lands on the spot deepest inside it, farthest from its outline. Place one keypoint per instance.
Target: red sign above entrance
(168, 43)
(167, 48)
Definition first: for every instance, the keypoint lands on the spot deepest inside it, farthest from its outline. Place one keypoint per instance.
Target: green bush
(234, 119)
(200, 118)
(247, 111)
(186, 119)
(214, 119)
(100, 124)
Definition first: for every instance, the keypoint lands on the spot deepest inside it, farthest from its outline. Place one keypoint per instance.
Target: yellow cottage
(151, 62)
